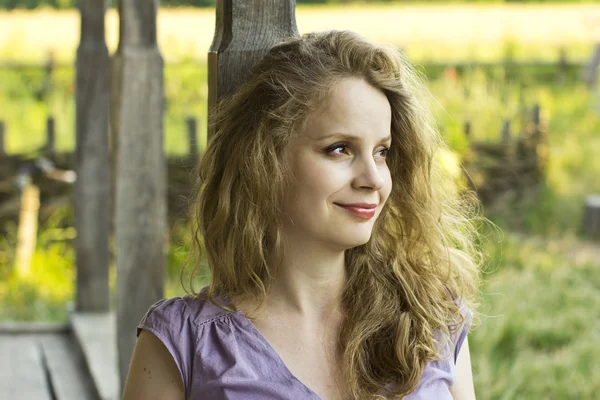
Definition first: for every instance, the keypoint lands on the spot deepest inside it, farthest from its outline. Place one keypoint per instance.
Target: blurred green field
(427, 31)
(540, 323)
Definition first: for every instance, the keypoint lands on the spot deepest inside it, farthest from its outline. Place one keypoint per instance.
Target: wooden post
(590, 74)
(506, 131)
(536, 122)
(192, 133)
(591, 217)
(92, 189)
(46, 87)
(115, 117)
(2, 145)
(533, 145)
(27, 229)
(244, 32)
(466, 92)
(535, 113)
(50, 135)
(562, 64)
(468, 129)
(141, 201)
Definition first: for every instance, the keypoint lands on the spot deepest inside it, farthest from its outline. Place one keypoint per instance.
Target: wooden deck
(42, 362)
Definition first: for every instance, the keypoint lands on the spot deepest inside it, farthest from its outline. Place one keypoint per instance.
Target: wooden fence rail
(49, 146)
(513, 165)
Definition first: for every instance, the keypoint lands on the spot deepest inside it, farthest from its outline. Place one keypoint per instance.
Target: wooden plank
(22, 375)
(96, 337)
(66, 369)
(16, 328)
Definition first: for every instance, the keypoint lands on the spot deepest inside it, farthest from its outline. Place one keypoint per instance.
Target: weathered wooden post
(467, 129)
(590, 73)
(506, 132)
(192, 133)
(141, 203)
(115, 117)
(536, 118)
(562, 64)
(28, 227)
(537, 143)
(2, 147)
(50, 135)
(244, 32)
(591, 216)
(92, 190)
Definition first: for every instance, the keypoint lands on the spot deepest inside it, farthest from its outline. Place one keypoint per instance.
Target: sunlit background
(513, 90)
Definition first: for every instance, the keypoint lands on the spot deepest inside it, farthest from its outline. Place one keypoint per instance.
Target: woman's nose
(369, 174)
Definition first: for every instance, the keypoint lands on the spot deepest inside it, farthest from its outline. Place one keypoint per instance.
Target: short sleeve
(461, 335)
(169, 320)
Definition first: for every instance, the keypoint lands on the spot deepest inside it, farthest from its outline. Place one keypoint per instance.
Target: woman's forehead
(352, 111)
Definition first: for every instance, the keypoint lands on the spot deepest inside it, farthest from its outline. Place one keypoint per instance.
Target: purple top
(223, 356)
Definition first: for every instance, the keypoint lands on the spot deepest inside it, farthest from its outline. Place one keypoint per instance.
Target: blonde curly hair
(409, 285)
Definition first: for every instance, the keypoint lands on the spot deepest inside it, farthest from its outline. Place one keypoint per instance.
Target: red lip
(368, 206)
(365, 211)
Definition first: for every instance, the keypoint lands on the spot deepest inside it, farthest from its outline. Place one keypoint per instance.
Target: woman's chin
(358, 240)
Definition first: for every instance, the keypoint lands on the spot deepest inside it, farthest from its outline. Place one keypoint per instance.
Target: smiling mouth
(364, 213)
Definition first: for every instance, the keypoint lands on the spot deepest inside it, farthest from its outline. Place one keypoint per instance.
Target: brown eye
(384, 151)
(333, 149)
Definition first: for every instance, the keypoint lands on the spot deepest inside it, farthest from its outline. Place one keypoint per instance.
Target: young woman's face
(338, 161)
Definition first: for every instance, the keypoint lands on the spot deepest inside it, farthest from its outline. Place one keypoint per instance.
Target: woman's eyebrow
(348, 137)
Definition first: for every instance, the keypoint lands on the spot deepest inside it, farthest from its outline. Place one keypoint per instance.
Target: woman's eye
(343, 149)
(334, 149)
(384, 151)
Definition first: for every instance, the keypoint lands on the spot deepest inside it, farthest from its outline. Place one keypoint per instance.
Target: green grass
(44, 292)
(540, 324)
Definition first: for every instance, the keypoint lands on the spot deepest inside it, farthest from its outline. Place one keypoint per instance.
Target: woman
(343, 267)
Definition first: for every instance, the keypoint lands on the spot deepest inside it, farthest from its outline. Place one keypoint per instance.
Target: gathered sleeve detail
(170, 321)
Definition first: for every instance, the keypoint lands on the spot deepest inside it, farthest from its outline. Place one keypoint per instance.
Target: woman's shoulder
(195, 310)
(190, 327)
